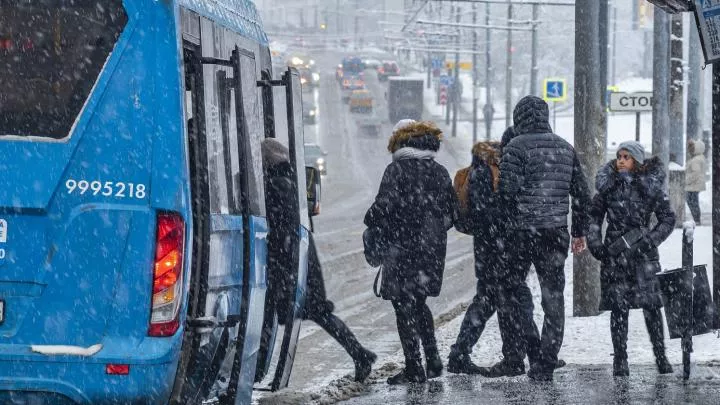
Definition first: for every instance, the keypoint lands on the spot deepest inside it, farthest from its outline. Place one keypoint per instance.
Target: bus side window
(254, 132)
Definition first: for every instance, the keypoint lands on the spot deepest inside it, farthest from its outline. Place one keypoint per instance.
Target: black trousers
(339, 331)
(547, 250)
(693, 202)
(619, 330)
(415, 325)
(489, 299)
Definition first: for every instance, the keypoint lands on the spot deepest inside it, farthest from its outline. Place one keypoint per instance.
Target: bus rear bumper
(81, 383)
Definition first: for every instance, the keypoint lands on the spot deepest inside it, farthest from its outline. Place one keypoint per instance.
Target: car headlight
(302, 80)
(320, 161)
(321, 167)
(316, 77)
(312, 113)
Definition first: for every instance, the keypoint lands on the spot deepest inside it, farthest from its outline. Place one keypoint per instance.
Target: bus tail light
(167, 275)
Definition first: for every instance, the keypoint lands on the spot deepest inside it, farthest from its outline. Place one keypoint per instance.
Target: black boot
(620, 367)
(460, 363)
(412, 373)
(504, 368)
(363, 365)
(434, 364)
(654, 323)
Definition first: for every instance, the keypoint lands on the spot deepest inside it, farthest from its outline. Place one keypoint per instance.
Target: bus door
(289, 104)
(228, 274)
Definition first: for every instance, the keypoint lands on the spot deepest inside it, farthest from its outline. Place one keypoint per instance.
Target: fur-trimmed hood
(423, 135)
(651, 175)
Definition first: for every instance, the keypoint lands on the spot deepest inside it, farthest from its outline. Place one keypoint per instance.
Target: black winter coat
(415, 206)
(628, 280)
(539, 171)
(283, 238)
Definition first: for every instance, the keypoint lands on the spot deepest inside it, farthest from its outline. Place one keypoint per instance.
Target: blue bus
(132, 212)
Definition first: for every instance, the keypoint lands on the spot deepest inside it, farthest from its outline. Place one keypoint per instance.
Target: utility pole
(716, 188)
(508, 71)
(661, 82)
(475, 75)
(456, 83)
(603, 36)
(590, 134)
(488, 70)
(694, 87)
(677, 146)
(534, 64)
(613, 78)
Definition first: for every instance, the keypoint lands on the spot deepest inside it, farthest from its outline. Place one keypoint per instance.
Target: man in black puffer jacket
(538, 173)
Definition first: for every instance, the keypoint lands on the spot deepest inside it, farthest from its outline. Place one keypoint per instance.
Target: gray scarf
(413, 153)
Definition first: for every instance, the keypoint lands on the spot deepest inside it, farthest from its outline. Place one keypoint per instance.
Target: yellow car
(361, 100)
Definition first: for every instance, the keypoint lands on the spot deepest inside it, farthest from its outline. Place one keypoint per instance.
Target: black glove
(599, 252)
(643, 246)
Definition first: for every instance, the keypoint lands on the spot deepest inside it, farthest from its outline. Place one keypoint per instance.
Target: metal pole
(475, 76)
(488, 70)
(603, 36)
(694, 86)
(716, 190)
(590, 138)
(613, 78)
(456, 97)
(534, 63)
(661, 84)
(429, 68)
(637, 126)
(676, 138)
(508, 71)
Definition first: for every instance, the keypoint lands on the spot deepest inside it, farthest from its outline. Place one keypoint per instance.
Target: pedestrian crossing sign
(555, 90)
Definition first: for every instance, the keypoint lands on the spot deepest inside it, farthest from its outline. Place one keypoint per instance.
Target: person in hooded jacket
(414, 208)
(487, 218)
(283, 222)
(630, 190)
(695, 177)
(539, 171)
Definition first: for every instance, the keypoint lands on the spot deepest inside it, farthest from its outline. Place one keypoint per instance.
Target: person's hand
(578, 245)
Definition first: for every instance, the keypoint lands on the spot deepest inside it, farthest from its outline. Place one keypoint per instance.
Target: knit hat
(402, 124)
(531, 116)
(635, 149)
(274, 152)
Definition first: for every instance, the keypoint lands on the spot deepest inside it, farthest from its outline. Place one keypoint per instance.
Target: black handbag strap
(376, 284)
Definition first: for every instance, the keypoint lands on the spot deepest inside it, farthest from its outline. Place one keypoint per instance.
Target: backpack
(461, 184)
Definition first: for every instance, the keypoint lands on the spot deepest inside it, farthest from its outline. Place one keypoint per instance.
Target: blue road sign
(437, 63)
(555, 90)
(446, 80)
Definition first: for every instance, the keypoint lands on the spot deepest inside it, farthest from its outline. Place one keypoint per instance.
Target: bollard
(687, 264)
(676, 192)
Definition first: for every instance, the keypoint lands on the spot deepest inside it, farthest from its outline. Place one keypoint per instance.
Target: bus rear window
(51, 54)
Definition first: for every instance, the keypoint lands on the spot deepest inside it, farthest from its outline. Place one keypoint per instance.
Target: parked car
(310, 111)
(388, 69)
(315, 157)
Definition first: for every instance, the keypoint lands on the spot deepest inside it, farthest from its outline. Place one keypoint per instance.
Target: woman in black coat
(631, 189)
(283, 222)
(414, 209)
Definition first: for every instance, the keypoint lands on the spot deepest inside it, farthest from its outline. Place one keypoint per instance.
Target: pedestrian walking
(413, 210)
(630, 190)
(487, 217)
(283, 222)
(539, 171)
(695, 177)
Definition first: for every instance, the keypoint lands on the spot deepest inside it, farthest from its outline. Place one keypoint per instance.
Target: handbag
(376, 283)
(375, 246)
(626, 241)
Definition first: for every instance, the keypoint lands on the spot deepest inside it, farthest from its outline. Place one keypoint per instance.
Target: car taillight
(167, 275)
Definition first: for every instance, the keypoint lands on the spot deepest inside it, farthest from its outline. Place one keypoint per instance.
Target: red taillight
(117, 369)
(167, 275)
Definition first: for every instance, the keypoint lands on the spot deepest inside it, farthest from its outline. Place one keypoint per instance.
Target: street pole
(677, 144)
(475, 76)
(613, 80)
(590, 134)
(694, 86)
(716, 189)
(603, 36)
(661, 82)
(456, 96)
(488, 69)
(534, 63)
(508, 71)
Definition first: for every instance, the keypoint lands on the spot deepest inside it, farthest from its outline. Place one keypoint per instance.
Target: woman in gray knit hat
(631, 189)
